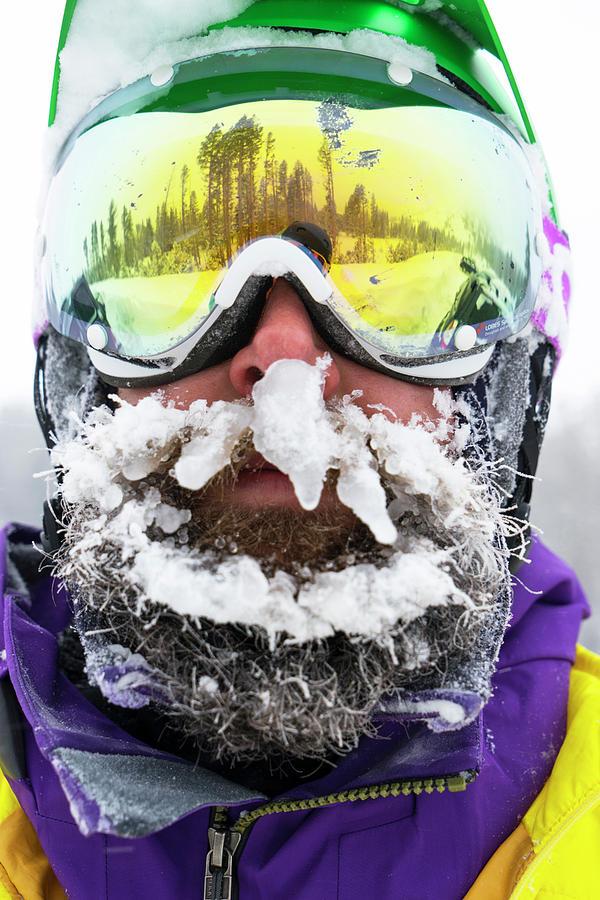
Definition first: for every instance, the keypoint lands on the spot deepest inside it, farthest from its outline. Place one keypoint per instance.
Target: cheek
(401, 397)
(211, 384)
(406, 399)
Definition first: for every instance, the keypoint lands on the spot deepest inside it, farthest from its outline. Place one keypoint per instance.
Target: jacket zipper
(225, 843)
(222, 845)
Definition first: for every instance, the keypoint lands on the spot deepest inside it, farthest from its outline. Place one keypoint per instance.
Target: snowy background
(552, 56)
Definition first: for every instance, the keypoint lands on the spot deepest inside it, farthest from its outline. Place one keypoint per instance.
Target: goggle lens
(429, 211)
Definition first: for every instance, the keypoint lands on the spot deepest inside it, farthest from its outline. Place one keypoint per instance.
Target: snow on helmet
(106, 46)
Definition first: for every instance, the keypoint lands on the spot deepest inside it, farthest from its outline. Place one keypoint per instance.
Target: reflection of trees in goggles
(395, 242)
(240, 186)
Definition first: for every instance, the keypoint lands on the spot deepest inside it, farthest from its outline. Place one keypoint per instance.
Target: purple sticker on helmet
(552, 304)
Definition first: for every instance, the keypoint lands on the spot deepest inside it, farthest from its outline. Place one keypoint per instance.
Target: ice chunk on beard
(292, 430)
(201, 613)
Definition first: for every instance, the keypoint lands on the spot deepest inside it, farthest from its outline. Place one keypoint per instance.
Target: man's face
(268, 627)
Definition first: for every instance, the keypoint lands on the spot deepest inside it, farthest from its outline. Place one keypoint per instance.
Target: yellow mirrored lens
(152, 306)
(405, 298)
(427, 208)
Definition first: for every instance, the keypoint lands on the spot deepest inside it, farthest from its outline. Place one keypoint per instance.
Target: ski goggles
(407, 228)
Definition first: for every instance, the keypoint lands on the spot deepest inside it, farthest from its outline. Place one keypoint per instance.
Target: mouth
(259, 483)
(257, 463)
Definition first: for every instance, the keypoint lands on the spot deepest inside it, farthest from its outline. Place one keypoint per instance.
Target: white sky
(552, 55)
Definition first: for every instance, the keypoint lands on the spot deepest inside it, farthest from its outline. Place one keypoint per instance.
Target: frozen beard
(277, 632)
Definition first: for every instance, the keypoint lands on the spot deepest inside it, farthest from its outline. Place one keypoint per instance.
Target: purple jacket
(383, 826)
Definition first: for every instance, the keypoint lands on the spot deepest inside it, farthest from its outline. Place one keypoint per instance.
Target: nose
(284, 331)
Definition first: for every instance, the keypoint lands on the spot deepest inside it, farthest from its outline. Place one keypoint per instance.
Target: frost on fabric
(73, 391)
(449, 711)
(295, 431)
(125, 678)
(507, 402)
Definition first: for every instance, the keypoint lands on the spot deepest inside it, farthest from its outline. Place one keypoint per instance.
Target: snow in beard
(295, 431)
(292, 430)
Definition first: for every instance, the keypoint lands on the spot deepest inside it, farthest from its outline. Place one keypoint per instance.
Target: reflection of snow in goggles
(273, 257)
(428, 212)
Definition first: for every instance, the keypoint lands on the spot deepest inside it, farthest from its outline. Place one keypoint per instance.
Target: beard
(276, 631)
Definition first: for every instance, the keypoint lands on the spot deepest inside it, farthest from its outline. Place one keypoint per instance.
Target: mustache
(291, 427)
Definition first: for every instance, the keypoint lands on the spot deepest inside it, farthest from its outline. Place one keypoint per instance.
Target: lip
(257, 463)
(259, 483)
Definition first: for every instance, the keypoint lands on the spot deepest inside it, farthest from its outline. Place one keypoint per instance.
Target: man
(286, 632)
